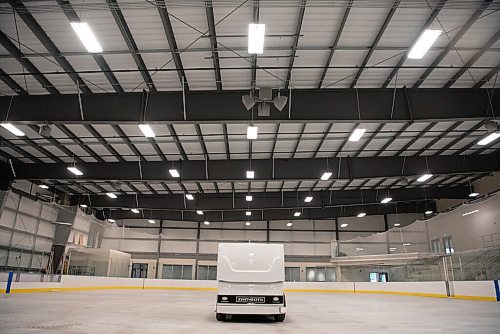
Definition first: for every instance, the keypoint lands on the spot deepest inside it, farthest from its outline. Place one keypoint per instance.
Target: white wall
(467, 232)
(26, 232)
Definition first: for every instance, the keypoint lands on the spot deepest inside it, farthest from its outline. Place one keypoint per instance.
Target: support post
(197, 251)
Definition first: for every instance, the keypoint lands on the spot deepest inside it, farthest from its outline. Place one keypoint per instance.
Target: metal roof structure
(182, 67)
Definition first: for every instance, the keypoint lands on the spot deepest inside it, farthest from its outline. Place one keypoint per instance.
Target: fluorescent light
(247, 223)
(248, 198)
(146, 130)
(356, 134)
(111, 220)
(361, 214)
(250, 174)
(424, 177)
(344, 225)
(190, 197)
(297, 214)
(485, 141)
(358, 249)
(256, 34)
(326, 176)
(206, 222)
(44, 186)
(87, 37)
(406, 244)
(174, 172)
(199, 212)
(289, 224)
(12, 129)
(473, 194)
(248, 213)
(252, 132)
(429, 212)
(386, 200)
(75, 171)
(83, 205)
(134, 210)
(397, 224)
(308, 199)
(151, 221)
(111, 195)
(392, 249)
(423, 44)
(470, 212)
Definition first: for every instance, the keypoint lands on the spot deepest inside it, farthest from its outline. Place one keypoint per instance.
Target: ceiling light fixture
(12, 129)
(83, 206)
(174, 172)
(248, 198)
(308, 199)
(297, 214)
(406, 244)
(111, 220)
(344, 225)
(134, 210)
(469, 213)
(489, 138)
(252, 132)
(111, 195)
(256, 34)
(248, 213)
(75, 171)
(151, 221)
(473, 194)
(250, 174)
(247, 223)
(190, 197)
(424, 177)
(289, 224)
(83, 31)
(357, 134)
(361, 214)
(326, 176)
(44, 186)
(146, 130)
(358, 249)
(206, 222)
(386, 200)
(429, 212)
(397, 224)
(199, 212)
(392, 249)
(423, 43)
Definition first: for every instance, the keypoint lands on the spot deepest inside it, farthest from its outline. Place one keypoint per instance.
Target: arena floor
(148, 311)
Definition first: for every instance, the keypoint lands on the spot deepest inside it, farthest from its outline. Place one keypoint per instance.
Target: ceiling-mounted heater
(264, 100)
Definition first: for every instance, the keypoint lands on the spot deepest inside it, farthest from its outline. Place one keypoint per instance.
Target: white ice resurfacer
(250, 280)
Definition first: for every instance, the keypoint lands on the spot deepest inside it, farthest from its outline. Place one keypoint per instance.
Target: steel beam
(269, 200)
(54, 51)
(26, 63)
(213, 42)
(280, 214)
(427, 24)
(333, 48)
(172, 44)
(225, 107)
(474, 58)
(295, 42)
(265, 169)
(129, 40)
(451, 44)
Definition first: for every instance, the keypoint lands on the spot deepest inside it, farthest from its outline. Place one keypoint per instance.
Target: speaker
(280, 102)
(248, 101)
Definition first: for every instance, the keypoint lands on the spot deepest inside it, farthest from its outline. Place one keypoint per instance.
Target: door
(139, 270)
